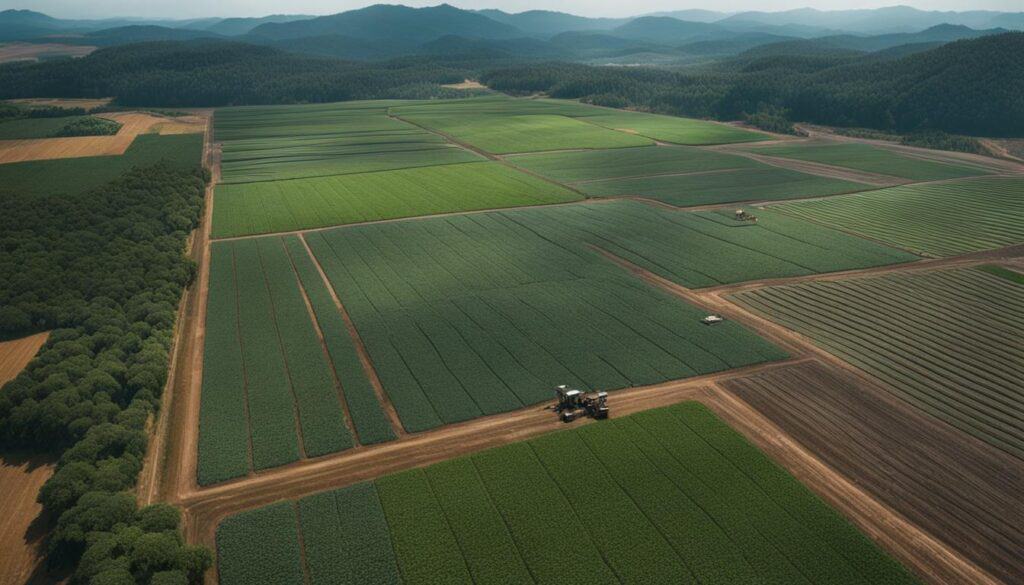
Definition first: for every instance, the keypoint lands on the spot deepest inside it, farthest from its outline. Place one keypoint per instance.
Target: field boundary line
(364, 356)
(346, 414)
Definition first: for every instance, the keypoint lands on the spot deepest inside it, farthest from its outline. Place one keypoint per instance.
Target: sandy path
(164, 468)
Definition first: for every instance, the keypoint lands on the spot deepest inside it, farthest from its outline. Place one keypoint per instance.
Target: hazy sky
(198, 8)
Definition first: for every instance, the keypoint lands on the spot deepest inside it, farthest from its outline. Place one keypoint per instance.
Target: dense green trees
(967, 87)
(215, 73)
(104, 270)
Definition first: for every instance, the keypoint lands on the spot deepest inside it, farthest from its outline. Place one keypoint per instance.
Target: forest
(218, 73)
(966, 87)
(105, 271)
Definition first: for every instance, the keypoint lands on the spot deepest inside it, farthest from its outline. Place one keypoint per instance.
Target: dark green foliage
(75, 176)
(216, 73)
(772, 119)
(942, 141)
(105, 272)
(968, 87)
(89, 126)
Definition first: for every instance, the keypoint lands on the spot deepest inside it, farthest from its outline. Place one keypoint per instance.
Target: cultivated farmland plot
(276, 206)
(271, 391)
(72, 176)
(874, 160)
(956, 489)
(942, 219)
(949, 342)
(493, 109)
(484, 313)
(267, 144)
(670, 496)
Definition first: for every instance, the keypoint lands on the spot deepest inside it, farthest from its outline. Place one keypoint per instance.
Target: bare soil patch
(20, 479)
(133, 124)
(467, 84)
(32, 51)
(17, 353)
(22, 530)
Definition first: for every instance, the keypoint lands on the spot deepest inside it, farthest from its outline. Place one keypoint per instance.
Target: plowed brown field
(20, 480)
(133, 124)
(957, 488)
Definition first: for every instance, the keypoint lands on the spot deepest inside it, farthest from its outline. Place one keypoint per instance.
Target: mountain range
(385, 31)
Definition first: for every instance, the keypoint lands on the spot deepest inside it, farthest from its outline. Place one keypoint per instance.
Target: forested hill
(216, 73)
(967, 87)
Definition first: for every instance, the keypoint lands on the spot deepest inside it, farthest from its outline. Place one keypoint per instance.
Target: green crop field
(947, 342)
(34, 127)
(288, 142)
(705, 248)
(477, 314)
(594, 165)
(670, 496)
(943, 219)
(673, 129)
(664, 128)
(73, 176)
(875, 160)
(277, 206)
(269, 391)
(503, 134)
(751, 184)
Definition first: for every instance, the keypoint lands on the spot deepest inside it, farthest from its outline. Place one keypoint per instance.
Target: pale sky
(202, 8)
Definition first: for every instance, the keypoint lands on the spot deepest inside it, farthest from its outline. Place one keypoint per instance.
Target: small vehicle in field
(573, 404)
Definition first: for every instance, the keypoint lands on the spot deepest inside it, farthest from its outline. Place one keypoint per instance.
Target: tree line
(105, 271)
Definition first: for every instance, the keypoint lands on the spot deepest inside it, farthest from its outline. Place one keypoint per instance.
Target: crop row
(938, 339)
(267, 388)
(941, 219)
(476, 314)
(666, 496)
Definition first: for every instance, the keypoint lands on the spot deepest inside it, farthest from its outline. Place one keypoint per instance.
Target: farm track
(182, 344)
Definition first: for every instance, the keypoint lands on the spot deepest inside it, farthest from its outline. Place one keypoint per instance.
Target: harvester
(712, 319)
(573, 404)
(744, 216)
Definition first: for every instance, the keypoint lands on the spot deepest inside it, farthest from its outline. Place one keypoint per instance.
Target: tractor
(573, 404)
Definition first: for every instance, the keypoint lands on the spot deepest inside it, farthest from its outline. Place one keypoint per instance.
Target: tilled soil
(954, 487)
